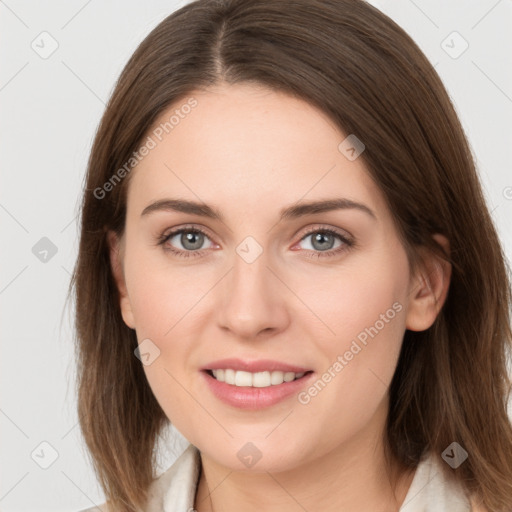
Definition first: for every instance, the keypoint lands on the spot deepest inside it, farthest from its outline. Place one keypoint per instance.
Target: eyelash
(347, 242)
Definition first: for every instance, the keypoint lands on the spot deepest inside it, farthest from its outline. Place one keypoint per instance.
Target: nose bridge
(249, 278)
(251, 300)
(249, 270)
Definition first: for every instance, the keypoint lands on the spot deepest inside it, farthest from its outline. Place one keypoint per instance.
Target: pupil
(189, 238)
(321, 237)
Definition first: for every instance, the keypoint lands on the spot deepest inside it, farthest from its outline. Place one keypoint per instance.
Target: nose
(252, 299)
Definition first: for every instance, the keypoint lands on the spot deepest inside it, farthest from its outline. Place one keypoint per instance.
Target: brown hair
(361, 69)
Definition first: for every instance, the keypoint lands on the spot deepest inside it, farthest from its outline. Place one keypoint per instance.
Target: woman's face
(260, 285)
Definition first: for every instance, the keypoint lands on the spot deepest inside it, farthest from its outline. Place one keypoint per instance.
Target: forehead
(247, 145)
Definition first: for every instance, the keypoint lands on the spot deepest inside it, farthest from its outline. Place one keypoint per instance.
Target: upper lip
(260, 365)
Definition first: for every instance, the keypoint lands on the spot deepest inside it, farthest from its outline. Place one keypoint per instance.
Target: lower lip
(245, 397)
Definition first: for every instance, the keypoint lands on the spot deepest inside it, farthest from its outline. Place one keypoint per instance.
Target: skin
(249, 151)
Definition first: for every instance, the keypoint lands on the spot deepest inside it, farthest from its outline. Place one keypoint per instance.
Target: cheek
(163, 294)
(168, 307)
(360, 301)
(361, 314)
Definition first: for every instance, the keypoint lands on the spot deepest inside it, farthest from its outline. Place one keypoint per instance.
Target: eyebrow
(287, 213)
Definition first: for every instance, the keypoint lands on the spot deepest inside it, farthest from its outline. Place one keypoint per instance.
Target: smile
(255, 391)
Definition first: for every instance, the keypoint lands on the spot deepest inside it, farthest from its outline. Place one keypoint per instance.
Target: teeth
(257, 380)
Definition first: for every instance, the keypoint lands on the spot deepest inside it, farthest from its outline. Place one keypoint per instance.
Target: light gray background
(50, 108)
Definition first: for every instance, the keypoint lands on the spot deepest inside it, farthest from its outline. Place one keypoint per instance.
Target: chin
(258, 456)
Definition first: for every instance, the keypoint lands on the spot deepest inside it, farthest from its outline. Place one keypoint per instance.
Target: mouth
(255, 391)
(264, 379)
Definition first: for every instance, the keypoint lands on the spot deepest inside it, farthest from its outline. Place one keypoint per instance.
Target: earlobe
(429, 289)
(116, 257)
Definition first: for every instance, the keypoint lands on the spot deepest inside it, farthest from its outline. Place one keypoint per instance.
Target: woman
(285, 252)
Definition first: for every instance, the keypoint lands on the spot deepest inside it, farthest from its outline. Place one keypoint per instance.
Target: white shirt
(175, 489)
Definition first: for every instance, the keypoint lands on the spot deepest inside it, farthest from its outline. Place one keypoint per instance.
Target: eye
(323, 242)
(190, 239)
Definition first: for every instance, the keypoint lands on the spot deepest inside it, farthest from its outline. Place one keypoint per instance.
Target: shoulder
(433, 488)
(453, 491)
(174, 489)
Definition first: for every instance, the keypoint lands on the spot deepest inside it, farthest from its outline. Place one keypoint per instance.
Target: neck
(352, 477)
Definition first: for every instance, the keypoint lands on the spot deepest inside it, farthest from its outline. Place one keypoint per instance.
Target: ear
(429, 288)
(116, 263)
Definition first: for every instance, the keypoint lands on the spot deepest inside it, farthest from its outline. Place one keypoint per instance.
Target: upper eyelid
(338, 231)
